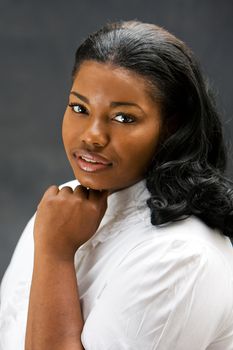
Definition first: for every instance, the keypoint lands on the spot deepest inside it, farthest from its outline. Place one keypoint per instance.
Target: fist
(67, 218)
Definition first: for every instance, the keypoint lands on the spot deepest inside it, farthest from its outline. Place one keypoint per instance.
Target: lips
(91, 162)
(91, 157)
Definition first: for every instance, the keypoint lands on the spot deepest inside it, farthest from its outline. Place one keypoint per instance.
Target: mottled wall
(37, 44)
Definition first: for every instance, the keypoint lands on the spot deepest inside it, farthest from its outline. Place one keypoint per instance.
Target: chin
(91, 184)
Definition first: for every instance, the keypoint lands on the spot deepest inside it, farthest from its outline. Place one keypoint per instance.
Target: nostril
(95, 141)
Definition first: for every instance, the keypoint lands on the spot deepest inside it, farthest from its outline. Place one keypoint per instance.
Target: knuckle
(66, 189)
(94, 207)
(60, 200)
(52, 188)
(77, 201)
(51, 201)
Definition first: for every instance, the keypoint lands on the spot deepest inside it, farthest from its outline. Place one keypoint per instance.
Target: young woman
(135, 253)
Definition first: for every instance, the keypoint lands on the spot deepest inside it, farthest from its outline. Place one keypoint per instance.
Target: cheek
(138, 147)
(69, 130)
(64, 128)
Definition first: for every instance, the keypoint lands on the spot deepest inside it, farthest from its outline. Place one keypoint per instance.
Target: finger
(51, 191)
(81, 191)
(66, 190)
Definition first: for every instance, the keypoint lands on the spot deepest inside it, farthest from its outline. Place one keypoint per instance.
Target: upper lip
(92, 156)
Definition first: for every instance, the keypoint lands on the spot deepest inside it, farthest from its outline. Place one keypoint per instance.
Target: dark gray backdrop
(37, 44)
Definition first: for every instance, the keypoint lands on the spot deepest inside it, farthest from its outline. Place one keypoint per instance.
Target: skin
(96, 127)
(65, 218)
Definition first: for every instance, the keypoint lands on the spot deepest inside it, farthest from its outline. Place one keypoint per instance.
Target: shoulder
(189, 243)
(174, 277)
(194, 232)
(185, 255)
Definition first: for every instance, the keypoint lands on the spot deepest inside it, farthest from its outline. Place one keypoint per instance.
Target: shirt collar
(126, 199)
(120, 205)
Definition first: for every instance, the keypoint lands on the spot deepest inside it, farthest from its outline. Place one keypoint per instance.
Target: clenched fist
(66, 219)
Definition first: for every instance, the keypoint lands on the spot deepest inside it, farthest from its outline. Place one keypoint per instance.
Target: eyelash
(129, 116)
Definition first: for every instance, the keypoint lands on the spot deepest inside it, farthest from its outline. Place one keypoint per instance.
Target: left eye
(124, 118)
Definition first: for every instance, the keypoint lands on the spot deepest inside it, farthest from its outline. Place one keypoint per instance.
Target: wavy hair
(187, 173)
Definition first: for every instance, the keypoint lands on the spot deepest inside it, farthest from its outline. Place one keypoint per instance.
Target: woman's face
(111, 127)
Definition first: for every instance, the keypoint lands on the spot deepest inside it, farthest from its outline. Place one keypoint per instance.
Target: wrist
(52, 254)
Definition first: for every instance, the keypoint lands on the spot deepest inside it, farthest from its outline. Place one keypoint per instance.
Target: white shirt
(141, 287)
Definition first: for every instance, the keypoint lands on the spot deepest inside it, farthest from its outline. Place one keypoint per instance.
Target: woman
(135, 253)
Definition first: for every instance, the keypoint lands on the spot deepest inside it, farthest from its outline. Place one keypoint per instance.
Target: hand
(66, 219)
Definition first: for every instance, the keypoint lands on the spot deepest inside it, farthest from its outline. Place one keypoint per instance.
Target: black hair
(187, 173)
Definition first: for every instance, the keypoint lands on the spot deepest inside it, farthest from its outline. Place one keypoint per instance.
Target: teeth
(89, 160)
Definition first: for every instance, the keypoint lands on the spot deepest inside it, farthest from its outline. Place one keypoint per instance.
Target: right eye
(77, 108)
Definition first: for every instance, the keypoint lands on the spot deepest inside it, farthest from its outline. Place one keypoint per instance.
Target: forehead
(109, 81)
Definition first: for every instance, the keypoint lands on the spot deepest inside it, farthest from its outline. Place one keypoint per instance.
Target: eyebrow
(112, 104)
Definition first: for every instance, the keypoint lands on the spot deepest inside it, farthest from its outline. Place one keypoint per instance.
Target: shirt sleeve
(160, 297)
(14, 292)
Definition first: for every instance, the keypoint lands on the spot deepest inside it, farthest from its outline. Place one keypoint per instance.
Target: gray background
(37, 44)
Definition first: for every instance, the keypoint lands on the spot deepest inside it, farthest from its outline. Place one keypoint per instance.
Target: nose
(95, 134)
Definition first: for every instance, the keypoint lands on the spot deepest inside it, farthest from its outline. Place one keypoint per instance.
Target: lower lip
(91, 167)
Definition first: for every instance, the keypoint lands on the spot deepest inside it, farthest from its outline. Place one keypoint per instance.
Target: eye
(77, 108)
(124, 118)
